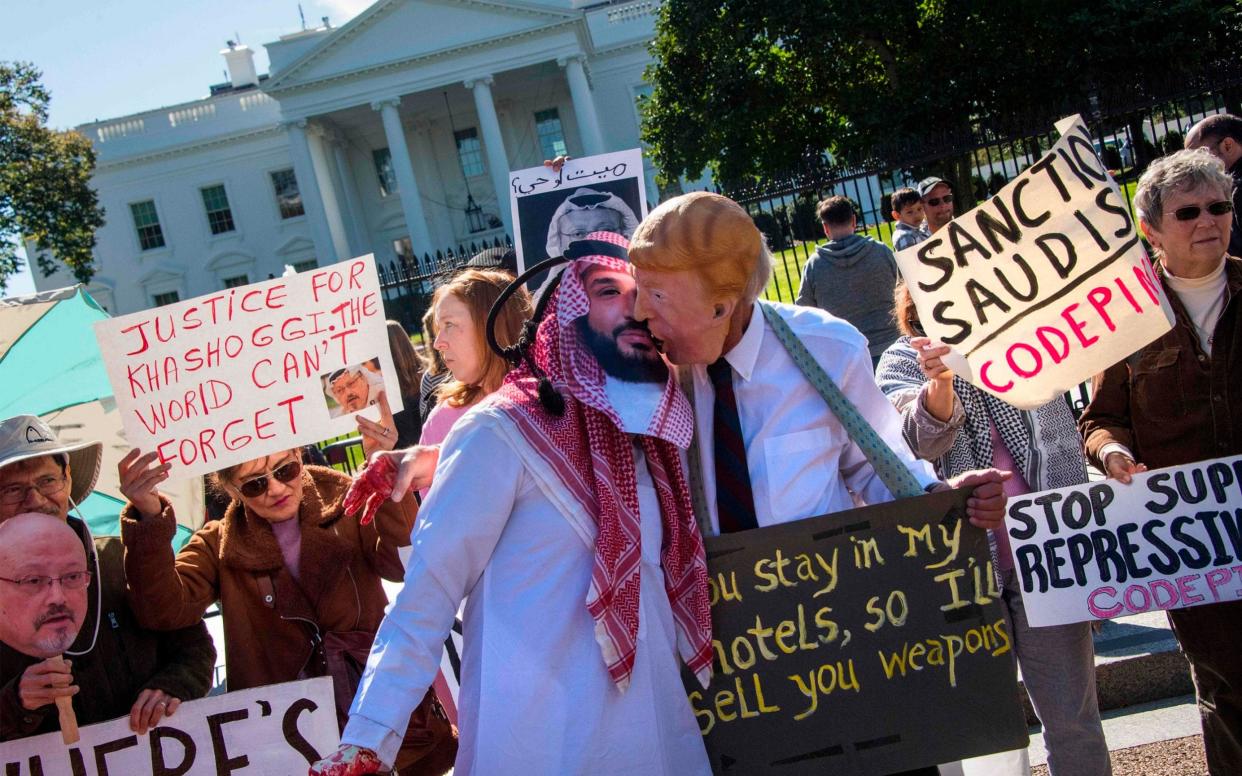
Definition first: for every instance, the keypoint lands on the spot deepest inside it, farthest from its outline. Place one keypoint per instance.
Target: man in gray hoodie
(852, 277)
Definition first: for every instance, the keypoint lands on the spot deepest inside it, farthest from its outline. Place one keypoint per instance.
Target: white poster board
(253, 370)
(1169, 540)
(604, 193)
(276, 730)
(1043, 285)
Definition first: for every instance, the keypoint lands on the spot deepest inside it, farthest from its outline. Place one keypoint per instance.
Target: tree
(748, 87)
(45, 193)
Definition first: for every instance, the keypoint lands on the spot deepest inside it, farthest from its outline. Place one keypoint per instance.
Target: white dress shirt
(802, 462)
(536, 696)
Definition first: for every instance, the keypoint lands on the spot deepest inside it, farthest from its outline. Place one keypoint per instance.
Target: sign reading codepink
(253, 370)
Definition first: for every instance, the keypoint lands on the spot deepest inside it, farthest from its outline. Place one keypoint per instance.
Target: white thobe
(536, 696)
(802, 462)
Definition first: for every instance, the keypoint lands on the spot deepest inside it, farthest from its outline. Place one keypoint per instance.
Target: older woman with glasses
(299, 582)
(1179, 400)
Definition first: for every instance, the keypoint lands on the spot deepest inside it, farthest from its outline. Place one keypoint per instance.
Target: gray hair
(1182, 170)
(759, 279)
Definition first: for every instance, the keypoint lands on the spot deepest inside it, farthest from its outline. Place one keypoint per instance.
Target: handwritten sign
(864, 642)
(1043, 285)
(1170, 539)
(592, 194)
(249, 371)
(276, 730)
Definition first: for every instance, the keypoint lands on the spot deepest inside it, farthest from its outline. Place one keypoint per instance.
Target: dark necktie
(735, 502)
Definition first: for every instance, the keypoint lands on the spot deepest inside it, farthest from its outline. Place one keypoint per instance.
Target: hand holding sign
(46, 682)
(1121, 467)
(380, 435)
(139, 477)
(986, 506)
(152, 706)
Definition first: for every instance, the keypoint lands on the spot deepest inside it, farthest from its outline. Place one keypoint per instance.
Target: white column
(309, 187)
(493, 144)
(403, 168)
(584, 104)
(317, 139)
(355, 226)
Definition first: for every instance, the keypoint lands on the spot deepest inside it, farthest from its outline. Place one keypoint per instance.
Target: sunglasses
(946, 199)
(1191, 212)
(257, 486)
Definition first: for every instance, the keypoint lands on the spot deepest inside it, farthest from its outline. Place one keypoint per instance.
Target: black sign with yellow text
(863, 642)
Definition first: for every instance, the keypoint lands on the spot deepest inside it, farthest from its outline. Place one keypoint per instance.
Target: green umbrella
(50, 366)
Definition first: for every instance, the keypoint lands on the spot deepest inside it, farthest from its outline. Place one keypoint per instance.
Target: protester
(1175, 401)
(908, 215)
(299, 583)
(461, 309)
(937, 199)
(503, 259)
(435, 373)
(1221, 135)
(958, 427)
(700, 264)
(852, 276)
(400, 429)
(552, 541)
(120, 668)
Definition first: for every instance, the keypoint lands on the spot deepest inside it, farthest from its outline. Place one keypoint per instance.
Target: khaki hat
(26, 436)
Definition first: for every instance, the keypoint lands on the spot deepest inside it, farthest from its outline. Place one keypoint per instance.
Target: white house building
(392, 134)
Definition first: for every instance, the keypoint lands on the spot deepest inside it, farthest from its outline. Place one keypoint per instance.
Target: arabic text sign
(1169, 540)
(594, 193)
(865, 642)
(276, 730)
(253, 370)
(1043, 285)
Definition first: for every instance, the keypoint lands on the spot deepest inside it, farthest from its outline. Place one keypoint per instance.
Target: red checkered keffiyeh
(592, 456)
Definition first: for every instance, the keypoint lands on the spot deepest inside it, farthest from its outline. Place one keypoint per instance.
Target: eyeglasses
(47, 486)
(33, 585)
(1191, 212)
(946, 199)
(257, 486)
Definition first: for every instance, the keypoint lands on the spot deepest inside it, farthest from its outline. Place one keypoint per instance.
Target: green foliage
(744, 87)
(45, 194)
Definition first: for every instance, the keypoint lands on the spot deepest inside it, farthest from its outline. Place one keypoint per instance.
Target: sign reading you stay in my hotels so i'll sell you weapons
(864, 642)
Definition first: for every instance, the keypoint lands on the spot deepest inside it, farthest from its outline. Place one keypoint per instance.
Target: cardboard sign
(864, 642)
(276, 730)
(603, 193)
(1170, 539)
(1043, 285)
(253, 370)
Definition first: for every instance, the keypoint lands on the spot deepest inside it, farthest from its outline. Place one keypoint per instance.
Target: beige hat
(26, 436)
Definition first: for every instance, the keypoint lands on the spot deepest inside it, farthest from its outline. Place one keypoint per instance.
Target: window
(147, 222)
(235, 281)
(469, 151)
(551, 136)
(304, 266)
(384, 171)
(287, 195)
(219, 215)
(168, 297)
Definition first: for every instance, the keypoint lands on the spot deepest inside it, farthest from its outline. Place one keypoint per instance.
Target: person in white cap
(117, 668)
(354, 388)
(586, 211)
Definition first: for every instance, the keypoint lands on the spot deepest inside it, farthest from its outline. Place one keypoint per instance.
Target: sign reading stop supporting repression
(1043, 285)
(1170, 539)
(864, 642)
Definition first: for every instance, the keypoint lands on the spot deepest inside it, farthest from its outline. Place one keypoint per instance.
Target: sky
(108, 58)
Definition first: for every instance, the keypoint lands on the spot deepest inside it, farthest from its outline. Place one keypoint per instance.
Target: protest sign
(1044, 284)
(252, 370)
(276, 730)
(1170, 539)
(603, 193)
(864, 642)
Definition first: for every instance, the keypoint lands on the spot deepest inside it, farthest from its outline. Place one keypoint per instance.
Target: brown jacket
(1170, 402)
(126, 659)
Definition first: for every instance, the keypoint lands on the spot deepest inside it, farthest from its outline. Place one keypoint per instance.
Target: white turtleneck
(1204, 299)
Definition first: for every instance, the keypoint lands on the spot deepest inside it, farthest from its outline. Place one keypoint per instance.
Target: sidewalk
(1161, 737)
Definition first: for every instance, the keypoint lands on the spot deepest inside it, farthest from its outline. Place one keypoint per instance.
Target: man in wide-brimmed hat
(115, 668)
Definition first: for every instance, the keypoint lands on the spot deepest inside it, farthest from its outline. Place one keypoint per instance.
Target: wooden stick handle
(68, 719)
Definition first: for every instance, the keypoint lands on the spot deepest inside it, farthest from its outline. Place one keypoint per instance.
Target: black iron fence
(407, 283)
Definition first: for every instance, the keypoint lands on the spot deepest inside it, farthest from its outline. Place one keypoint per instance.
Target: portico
(419, 147)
